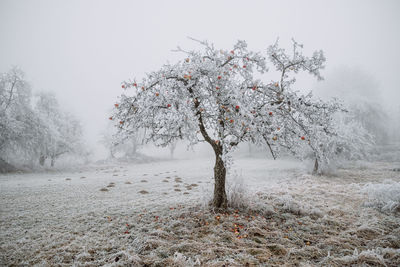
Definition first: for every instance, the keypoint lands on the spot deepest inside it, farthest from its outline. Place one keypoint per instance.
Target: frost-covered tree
(218, 97)
(347, 140)
(120, 145)
(107, 140)
(351, 141)
(172, 148)
(360, 93)
(32, 130)
(19, 127)
(14, 97)
(132, 144)
(62, 132)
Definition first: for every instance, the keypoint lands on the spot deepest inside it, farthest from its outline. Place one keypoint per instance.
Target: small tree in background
(349, 141)
(172, 148)
(15, 95)
(214, 96)
(32, 131)
(364, 100)
(62, 132)
(121, 145)
(19, 125)
(107, 140)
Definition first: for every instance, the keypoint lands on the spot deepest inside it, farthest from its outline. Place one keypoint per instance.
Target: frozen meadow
(199, 133)
(156, 214)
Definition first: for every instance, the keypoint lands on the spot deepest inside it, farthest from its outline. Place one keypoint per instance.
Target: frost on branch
(296, 62)
(213, 96)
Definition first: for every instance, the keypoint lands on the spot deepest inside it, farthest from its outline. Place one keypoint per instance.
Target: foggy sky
(83, 50)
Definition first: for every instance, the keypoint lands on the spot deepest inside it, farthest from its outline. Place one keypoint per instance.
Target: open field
(155, 214)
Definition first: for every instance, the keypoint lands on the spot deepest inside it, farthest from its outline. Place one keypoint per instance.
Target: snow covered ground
(155, 214)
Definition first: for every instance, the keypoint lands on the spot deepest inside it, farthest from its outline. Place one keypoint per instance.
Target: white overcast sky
(82, 50)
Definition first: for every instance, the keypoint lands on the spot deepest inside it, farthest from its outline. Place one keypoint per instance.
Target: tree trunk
(42, 159)
(172, 148)
(315, 170)
(134, 148)
(220, 201)
(53, 161)
(6, 167)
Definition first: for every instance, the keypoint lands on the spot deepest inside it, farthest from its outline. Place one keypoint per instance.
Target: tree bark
(42, 159)
(315, 170)
(220, 200)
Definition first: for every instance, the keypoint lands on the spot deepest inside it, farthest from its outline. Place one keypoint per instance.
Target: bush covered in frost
(385, 196)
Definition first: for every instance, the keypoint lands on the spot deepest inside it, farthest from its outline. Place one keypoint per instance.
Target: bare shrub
(237, 193)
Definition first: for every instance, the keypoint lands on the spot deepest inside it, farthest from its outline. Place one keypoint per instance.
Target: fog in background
(83, 50)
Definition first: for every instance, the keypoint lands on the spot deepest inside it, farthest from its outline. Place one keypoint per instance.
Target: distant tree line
(34, 131)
